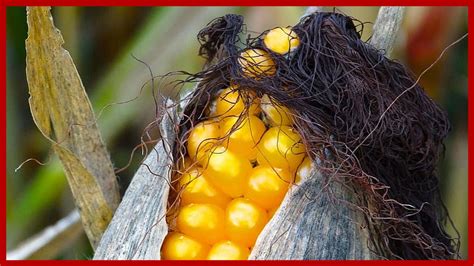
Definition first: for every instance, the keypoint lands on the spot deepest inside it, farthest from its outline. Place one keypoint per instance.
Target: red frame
(469, 261)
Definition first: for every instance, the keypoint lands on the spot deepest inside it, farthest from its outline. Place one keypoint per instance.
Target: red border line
(234, 263)
(239, 3)
(235, 2)
(3, 77)
(470, 135)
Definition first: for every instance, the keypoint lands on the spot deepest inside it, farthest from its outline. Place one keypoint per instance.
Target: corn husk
(316, 220)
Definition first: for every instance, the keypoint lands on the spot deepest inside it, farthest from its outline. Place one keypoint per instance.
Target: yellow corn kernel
(197, 189)
(204, 222)
(230, 102)
(228, 171)
(177, 246)
(244, 221)
(202, 138)
(277, 114)
(281, 147)
(256, 63)
(243, 136)
(267, 186)
(281, 40)
(228, 250)
(304, 170)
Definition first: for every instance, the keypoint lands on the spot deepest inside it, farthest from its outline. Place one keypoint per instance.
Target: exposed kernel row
(240, 164)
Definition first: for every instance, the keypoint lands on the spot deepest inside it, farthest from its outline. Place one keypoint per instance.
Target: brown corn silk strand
(339, 88)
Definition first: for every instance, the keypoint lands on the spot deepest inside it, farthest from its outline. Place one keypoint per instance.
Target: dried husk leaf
(139, 225)
(315, 222)
(63, 113)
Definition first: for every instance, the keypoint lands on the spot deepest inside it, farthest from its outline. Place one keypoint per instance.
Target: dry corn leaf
(63, 113)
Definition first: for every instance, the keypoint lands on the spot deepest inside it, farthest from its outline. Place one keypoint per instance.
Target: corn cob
(307, 225)
(242, 161)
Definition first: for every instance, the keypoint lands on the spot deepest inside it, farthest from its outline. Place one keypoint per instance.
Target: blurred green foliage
(103, 41)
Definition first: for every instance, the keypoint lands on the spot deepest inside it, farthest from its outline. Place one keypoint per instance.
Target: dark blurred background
(102, 41)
